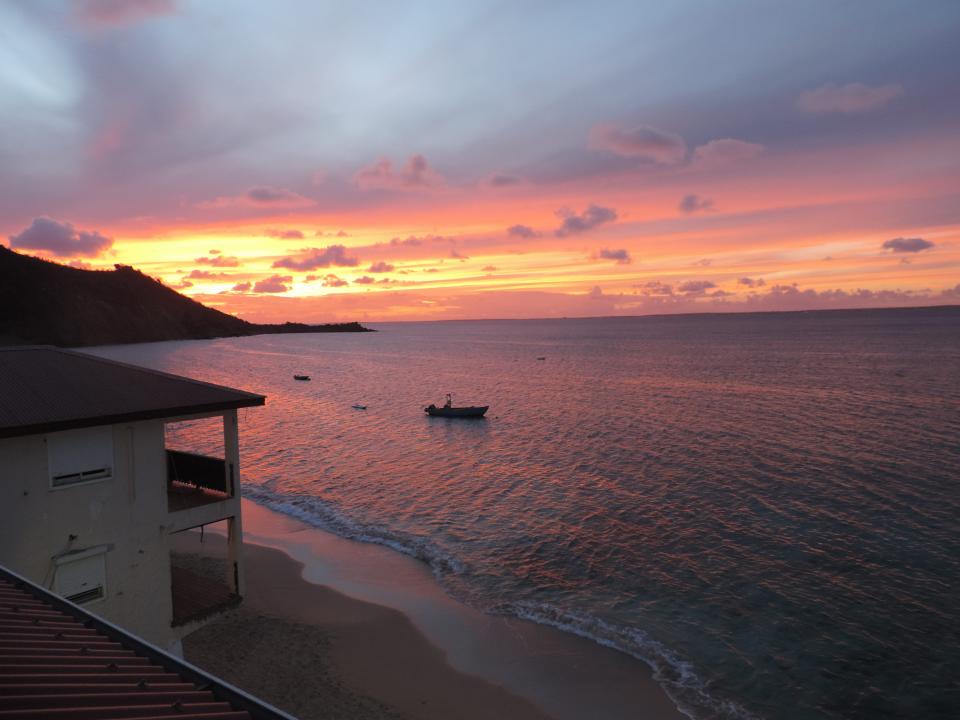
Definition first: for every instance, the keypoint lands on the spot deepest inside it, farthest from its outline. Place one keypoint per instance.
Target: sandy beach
(319, 653)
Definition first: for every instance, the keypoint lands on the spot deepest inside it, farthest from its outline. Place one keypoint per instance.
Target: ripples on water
(763, 507)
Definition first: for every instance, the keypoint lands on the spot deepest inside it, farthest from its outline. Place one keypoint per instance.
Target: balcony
(196, 480)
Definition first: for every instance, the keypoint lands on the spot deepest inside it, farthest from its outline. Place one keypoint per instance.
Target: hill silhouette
(45, 303)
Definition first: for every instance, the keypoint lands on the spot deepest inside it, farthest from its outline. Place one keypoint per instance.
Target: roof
(46, 389)
(59, 661)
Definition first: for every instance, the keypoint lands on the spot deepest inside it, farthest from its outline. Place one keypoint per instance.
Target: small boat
(542, 357)
(301, 377)
(456, 412)
(359, 407)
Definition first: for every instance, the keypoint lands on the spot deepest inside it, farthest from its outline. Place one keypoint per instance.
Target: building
(59, 662)
(92, 500)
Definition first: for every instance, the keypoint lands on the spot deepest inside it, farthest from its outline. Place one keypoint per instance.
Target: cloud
(501, 180)
(593, 216)
(694, 203)
(907, 245)
(218, 261)
(415, 175)
(596, 293)
(410, 241)
(260, 197)
(182, 285)
(313, 258)
(241, 287)
(121, 12)
(80, 265)
(380, 267)
(752, 282)
(331, 280)
(655, 288)
(273, 284)
(365, 280)
(622, 256)
(213, 252)
(850, 99)
(60, 239)
(695, 287)
(726, 150)
(489, 268)
(206, 275)
(458, 256)
(285, 234)
(522, 231)
(641, 142)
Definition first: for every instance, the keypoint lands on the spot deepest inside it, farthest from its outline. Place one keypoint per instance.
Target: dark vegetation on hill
(44, 303)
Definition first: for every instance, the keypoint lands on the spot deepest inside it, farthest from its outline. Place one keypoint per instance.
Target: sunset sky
(321, 161)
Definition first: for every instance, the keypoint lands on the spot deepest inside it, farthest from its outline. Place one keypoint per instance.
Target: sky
(330, 161)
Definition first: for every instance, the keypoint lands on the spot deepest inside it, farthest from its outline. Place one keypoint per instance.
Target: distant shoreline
(719, 313)
(280, 329)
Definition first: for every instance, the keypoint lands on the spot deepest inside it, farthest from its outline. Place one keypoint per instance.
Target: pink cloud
(331, 280)
(641, 142)
(380, 267)
(726, 150)
(908, 245)
(365, 280)
(60, 239)
(206, 275)
(409, 242)
(218, 261)
(273, 284)
(621, 255)
(121, 12)
(313, 258)
(694, 203)
(590, 218)
(241, 287)
(285, 234)
(522, 231)
(850, 99)
(415, 175)
(260, 197)
(502, 180)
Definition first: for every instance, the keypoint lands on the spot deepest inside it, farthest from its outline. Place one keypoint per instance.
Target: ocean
(765, 508)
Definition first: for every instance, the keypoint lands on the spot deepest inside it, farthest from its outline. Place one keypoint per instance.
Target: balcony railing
(194, 480)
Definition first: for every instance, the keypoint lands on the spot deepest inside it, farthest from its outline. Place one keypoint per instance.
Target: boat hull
(456, 412)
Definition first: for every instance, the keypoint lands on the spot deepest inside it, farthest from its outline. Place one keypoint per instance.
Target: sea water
(764, 508)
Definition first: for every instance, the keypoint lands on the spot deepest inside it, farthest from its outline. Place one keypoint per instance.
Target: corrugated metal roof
(44, 389)
(59, 662)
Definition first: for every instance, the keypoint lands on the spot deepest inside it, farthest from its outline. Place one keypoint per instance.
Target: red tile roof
(59, 662)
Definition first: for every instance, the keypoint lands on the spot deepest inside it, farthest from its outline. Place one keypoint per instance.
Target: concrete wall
(127, 512)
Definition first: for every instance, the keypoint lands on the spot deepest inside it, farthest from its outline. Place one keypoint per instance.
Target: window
(82, 577)
(79, 456)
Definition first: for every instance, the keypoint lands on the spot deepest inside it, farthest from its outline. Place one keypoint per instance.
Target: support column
(231, 453)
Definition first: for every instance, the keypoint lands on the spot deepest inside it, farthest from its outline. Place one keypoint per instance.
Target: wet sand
(317, 653)
(334, 628)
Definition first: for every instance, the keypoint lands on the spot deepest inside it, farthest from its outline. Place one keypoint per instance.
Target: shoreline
(330, 655)
(544, 671)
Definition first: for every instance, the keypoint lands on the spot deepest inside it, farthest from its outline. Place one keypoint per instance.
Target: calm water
(765, 508)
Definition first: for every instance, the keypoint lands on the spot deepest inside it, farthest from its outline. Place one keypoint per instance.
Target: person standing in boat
(449, 402)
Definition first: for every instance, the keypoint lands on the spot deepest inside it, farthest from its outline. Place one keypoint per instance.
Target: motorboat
(301, 377)
(449, 411)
